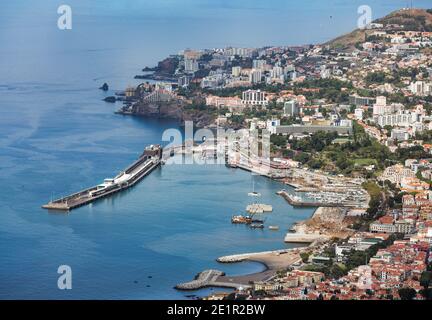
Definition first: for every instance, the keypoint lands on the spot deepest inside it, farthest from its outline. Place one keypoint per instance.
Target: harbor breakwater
(272, 260)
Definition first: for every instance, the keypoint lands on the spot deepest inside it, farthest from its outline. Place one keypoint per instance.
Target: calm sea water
(57, 136)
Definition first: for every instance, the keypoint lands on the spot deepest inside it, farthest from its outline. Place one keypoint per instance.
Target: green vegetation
(315, 143)
(325, 151)
(407, 293)
(375, 194)
(330, 89)
(341, 140)
(365, 162)
(416, 152)
(376, 77)
(226, 92)
(278, 140)
(426, 279)
(425, 135)
(305, 256)
(237, 119)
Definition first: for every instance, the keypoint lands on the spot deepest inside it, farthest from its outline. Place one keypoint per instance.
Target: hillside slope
(411, 20)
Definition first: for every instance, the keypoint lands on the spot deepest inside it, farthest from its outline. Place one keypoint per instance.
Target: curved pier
(272, 260)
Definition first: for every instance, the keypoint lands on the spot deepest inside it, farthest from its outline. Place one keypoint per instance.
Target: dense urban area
(350, 130)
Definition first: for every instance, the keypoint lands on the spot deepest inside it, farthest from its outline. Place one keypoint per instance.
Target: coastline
(273, 261)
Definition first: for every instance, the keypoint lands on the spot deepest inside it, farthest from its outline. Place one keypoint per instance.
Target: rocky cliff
(173, 110)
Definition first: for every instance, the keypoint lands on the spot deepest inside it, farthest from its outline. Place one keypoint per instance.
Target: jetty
(272, 260)
(146, 163)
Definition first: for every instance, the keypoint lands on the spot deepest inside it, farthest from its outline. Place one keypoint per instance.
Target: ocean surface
(58, 136)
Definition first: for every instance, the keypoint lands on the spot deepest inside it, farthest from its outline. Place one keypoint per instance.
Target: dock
(298, 202)
(146, 163)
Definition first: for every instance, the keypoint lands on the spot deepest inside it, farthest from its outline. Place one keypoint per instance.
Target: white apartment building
(291, 108)
(212, 81)
(255, 76)
(380, 106)
(242, 52)
(382, 227)
(236, 71)
(400, 134)
(191, 66)
(277, 72)
(272, 124)
(396, 173)
(358, 113)
(421, 88)
(400, 119)
(255, 98)
(399, 226)
(258, 64)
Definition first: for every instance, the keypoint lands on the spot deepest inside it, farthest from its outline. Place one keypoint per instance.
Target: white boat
(254, 194)
(257, 208)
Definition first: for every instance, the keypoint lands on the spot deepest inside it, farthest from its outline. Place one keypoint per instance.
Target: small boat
(241, 219)
(257, 221)
(257, 226)
(254, 194)
(274, 228)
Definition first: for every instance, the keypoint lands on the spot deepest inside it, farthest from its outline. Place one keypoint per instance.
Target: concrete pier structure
(272, 260)
(146, 163)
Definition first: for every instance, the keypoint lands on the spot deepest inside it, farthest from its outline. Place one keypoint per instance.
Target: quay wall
(90, 195)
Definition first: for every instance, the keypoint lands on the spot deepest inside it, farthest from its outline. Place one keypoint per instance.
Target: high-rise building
(255, 76)
(358, 113)
(421, 88)
(361, 101)
(236, 71)
(191, 66)
(277, 72)
(379, 107)
(289, 68)
(291, 108)
(258, 64)
(400, 119)
(241, 52)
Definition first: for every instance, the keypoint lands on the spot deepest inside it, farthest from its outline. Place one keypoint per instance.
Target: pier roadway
(150, 159)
